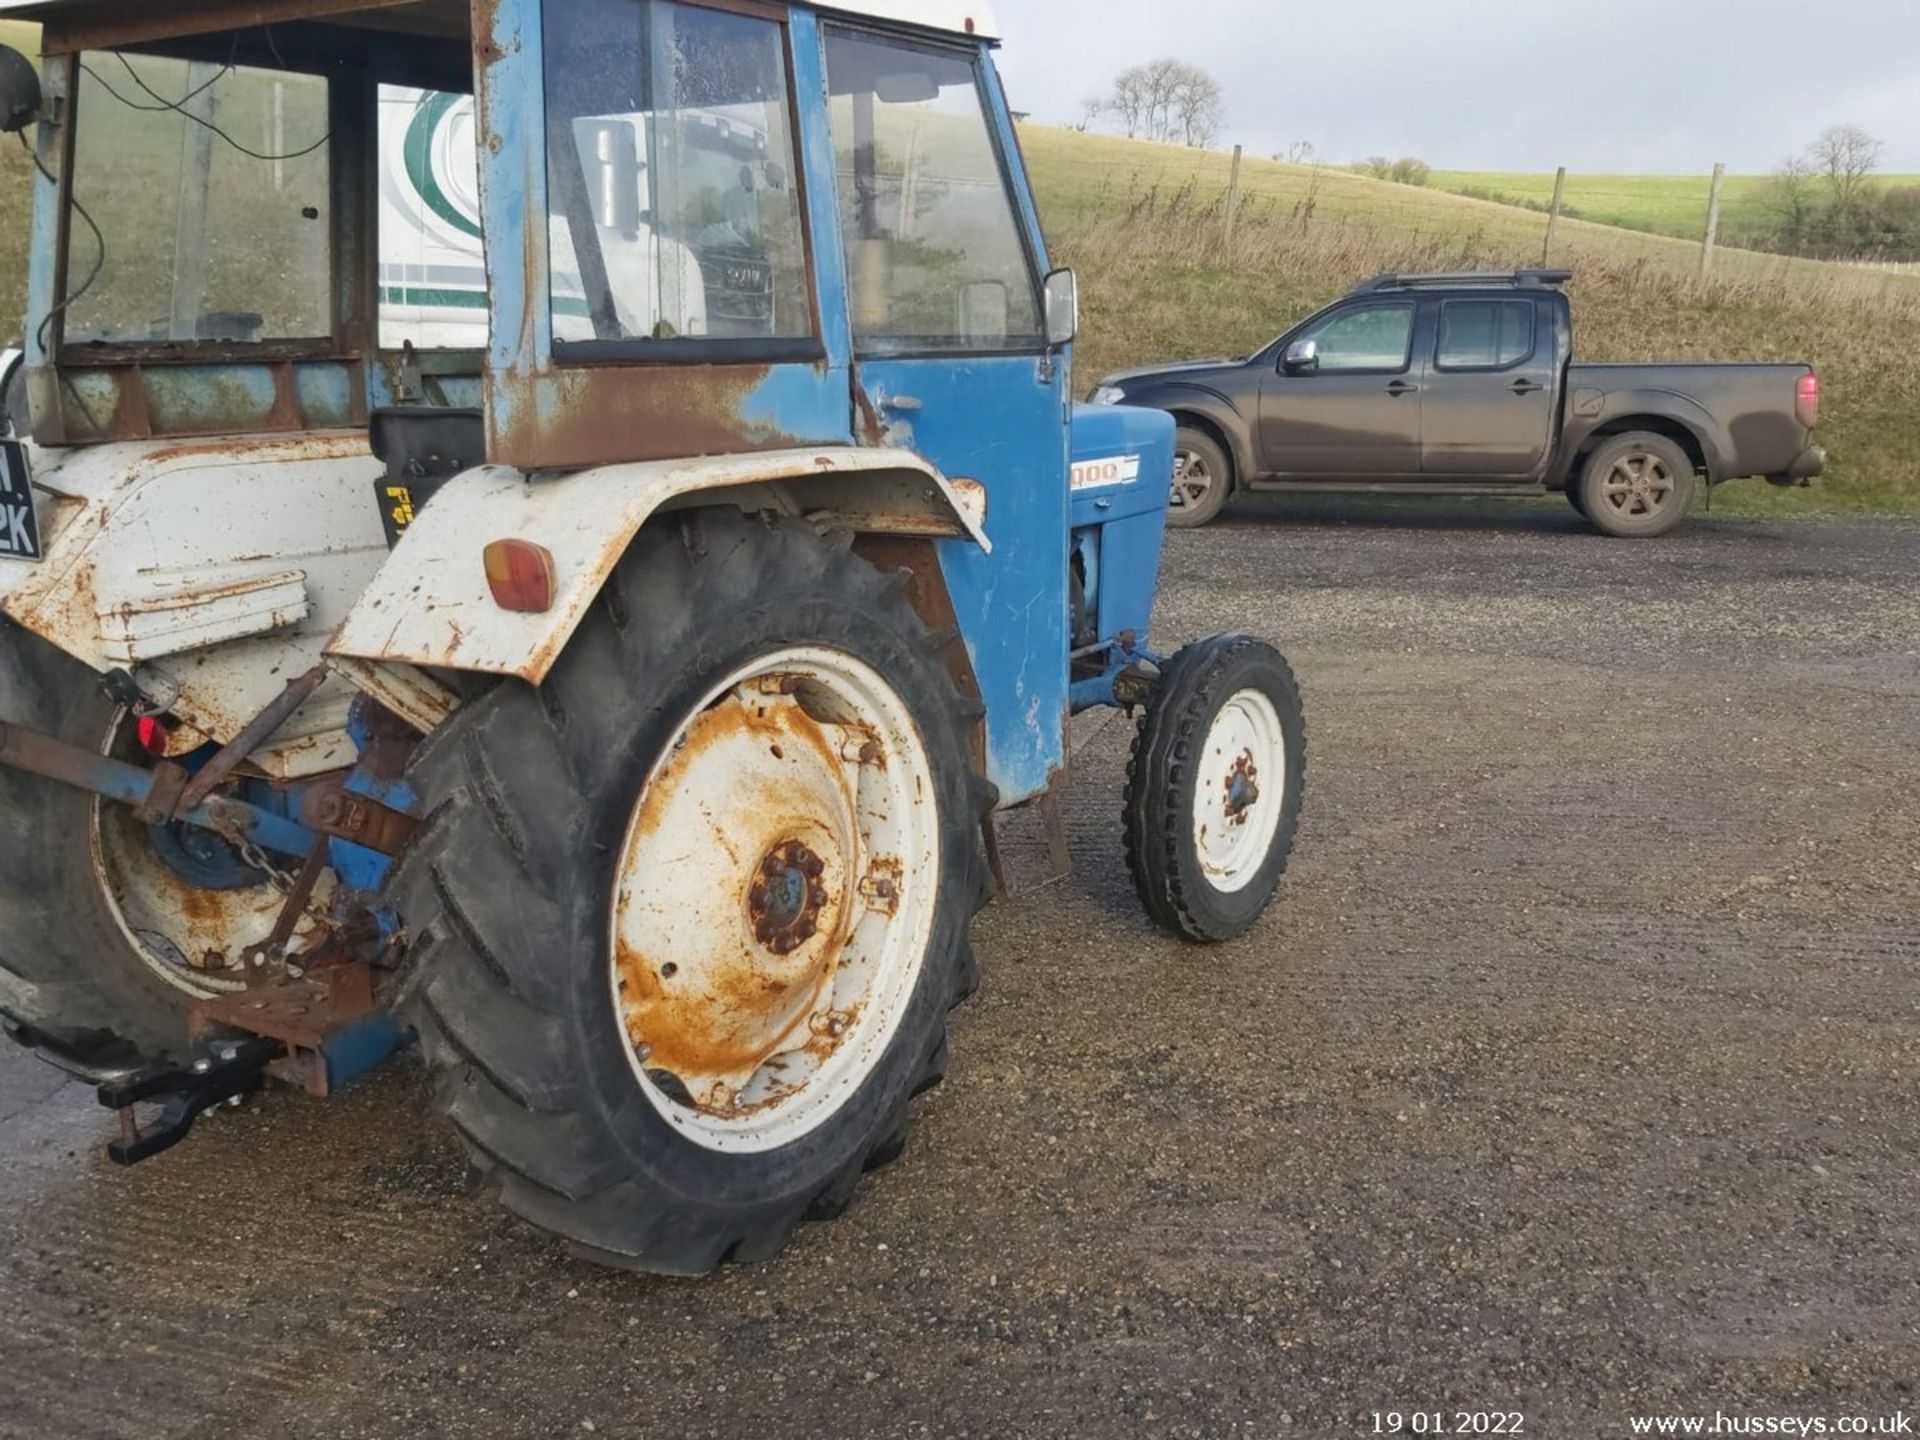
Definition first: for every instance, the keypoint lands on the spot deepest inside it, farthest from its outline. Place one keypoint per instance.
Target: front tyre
(690, 917)
(1215, 787)
(1202, 480)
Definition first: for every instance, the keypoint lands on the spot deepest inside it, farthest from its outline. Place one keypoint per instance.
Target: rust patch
(611, 415)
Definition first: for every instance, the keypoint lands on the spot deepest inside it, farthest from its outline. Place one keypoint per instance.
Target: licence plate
(19, 531)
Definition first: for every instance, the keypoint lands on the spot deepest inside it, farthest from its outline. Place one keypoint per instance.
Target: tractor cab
(554, 528)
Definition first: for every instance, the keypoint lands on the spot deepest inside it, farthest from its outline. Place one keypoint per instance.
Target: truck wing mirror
(1302, 358)
(19, 90)
(1063, 308)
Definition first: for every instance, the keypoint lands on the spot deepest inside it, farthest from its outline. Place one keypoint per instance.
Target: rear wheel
(113, 928)
(688, 919)
(1576, 500)
(1637, 486)
(1202, 480)
(1215, 787)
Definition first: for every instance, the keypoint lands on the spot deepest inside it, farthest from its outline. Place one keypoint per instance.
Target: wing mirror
(19, 90)
(1303, 357)
(1063, 308)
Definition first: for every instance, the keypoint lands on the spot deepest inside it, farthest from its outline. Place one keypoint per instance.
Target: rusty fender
(430, 606)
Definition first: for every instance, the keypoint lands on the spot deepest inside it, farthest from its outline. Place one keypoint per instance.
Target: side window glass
(672, 175)
(1485, 334)
(934, 251)
(1368, 337)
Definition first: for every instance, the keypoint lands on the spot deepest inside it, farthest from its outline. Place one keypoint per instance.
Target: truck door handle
(902, 402)
(1527, 387)
(1401, 387)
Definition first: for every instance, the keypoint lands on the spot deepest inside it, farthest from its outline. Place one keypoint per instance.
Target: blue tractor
(619, 701)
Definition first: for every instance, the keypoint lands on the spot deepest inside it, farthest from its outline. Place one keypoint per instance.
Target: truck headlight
(1109, 395)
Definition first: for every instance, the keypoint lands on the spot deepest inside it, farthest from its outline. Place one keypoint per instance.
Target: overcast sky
(1602, 86)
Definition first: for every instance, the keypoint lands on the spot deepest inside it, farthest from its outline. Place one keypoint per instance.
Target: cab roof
(960, 17)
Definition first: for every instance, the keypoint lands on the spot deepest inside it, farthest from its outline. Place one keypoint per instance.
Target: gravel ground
(1575, 1074)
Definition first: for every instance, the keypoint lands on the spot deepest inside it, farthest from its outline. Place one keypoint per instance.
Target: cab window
(1365, 338)
(205, 195)
(673, 179)
(1485, 334)
(935, 256)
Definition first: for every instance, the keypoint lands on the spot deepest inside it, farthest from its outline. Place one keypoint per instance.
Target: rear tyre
(1576, 500)
(1202, 480)
(688, 919)
(1215, 787)
(1637, 486)
(106, 944)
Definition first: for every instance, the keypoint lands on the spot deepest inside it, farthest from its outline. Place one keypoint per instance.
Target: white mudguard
(430, 605)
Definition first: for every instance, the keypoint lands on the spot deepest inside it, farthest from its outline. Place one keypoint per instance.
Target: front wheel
(690, 917)
(1202, 480)
(1215, 787)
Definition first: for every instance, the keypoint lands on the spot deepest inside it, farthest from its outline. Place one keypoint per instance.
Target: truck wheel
(687, 920)
(1215, 786)
(107, 939)
(1202, 480)
(1576, 499)
(1637, 486)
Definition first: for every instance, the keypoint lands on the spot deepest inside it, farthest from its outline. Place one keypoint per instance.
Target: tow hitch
(235, 1068)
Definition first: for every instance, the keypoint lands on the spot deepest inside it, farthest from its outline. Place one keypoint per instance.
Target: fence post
(1713, 221)
(1233, 196)
(1553, 215)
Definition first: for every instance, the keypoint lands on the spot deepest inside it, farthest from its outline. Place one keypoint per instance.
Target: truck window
(934, 252)
(1485, 334)
(1365, 338)
(674, 195)
(209, 184)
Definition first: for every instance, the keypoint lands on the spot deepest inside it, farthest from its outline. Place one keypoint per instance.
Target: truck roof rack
(1468, 279)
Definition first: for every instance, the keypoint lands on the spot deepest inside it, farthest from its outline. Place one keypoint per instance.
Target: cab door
(1492, 398)
(944, 266)
(1351, 408)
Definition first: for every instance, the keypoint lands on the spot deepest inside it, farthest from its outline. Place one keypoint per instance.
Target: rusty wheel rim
(1241, 791)
(1638, 485)
(192, 938)
(1192, 480)
(775, 899)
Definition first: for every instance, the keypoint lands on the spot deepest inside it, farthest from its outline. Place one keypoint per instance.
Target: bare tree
(1167, 100)
(1298, 152)
(1091, 109)
(1198, 107)
(1847, 157)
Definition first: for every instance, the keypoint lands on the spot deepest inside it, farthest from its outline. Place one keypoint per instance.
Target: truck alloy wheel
(689, 918)
(1202, 480)
(1215, 787)
(1637, 486)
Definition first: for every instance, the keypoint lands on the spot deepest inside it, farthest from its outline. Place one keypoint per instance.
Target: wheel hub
(788, 897)
(1243, 789)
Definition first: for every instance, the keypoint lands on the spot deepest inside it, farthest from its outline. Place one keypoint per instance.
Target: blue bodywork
(1122, 483)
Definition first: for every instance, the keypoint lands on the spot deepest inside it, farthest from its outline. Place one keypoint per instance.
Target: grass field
(1144, 224)
(1659, 204)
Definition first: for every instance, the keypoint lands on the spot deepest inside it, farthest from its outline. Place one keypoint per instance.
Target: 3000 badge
(19, 531)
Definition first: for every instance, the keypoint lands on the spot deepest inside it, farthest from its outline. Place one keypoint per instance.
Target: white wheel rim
(191, 937)
(774, 900)
(1241, 791)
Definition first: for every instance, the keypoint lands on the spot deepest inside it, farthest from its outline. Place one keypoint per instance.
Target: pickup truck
(1464, 384)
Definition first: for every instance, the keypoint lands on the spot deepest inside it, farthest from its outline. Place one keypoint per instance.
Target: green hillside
(1659, 204)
